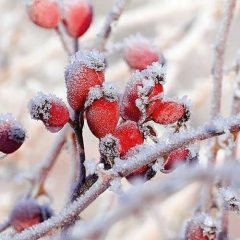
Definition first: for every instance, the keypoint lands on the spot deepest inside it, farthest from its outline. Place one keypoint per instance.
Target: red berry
(166, 112)
(149, 81)
(176, 157)
(51, 110)
(128, 135)
(103, 113)
(84, 71)
(12, 134)
(200, 228)
(44, 13)
(26, 214)
(139, 53)
(78, 17)
(139, 173)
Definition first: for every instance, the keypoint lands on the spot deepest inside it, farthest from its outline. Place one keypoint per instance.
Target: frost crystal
(90, 166)
(91, 59)
(156, 72)
(116, 186)
(230, 199)
(14, 129)
(137, 38)
(107, 90)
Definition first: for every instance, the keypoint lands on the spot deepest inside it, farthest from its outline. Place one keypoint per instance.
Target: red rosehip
(128, 135)
(166, 112)
(200, 228)
(149, 81)
(102, 112)
(176, 157)
(84, 71)
(26, 214)
(78, 17)
(51, 110)
(12, 134)
(44, 13)
(139, 53)
(138, 174)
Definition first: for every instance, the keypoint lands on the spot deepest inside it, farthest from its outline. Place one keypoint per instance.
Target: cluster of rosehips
(120, 121)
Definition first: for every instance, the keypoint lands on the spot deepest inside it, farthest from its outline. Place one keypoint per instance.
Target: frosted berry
(138, 174)
(26, 214)
(128, 135)
(85, 70)
(78, 15)
(52, 111)
(201, 228)
(166, 112)
(146, 84)
(102, 112)
(44, 13)
(176, 157)
(12, 134)
(139, 53)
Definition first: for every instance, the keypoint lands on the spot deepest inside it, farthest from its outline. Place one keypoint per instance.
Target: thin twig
(78, 129)
(41, 174)
(63, 41)
(146, 155)
(4, 225)
(218, 58)
(112, 17)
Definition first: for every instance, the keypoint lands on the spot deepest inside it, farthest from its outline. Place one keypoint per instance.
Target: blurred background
(32, 59)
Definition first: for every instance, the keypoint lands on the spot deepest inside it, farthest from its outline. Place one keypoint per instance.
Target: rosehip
(176, 157)
(78, 17)
(139, 173)
(12, 134)
(139, 53)
(44, 13)
(28, 213)
(201, 228)
(146, 84)
(128, 135)
(102, 110)
(166, 112)
(51, 110)
(84, 71)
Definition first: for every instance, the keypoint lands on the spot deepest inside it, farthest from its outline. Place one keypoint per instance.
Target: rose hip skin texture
(165, 112)
(44, 13)
(26, 214)
(195, 232)
(78, 85)
(139, 55)
(102, 116)
(176, 157)
(78, 17)
(129, 110)
(12, 134)
(128, 135)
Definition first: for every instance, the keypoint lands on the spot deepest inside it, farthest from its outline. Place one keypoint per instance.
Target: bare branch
(218, 58)
(141, 196)
(147, 154)
(112, 17)
(41, 175)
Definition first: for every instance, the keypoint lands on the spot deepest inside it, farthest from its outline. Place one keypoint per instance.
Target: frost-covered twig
(218, 58)
(63, 41)
(148, 154)
(78, 129)
(141, 196)
(113, 16)
(4, 225)
(42, 173)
